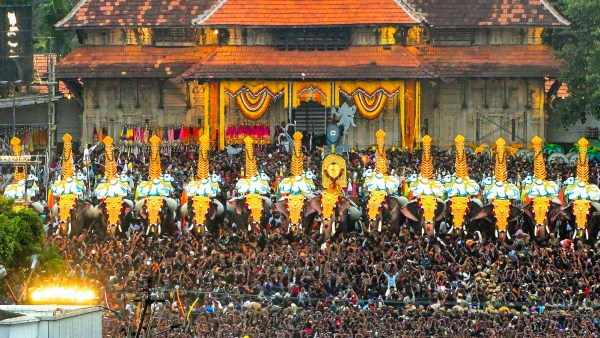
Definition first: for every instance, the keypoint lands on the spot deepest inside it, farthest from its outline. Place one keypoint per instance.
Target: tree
(21, 235)
(46, 13)
(579, 48)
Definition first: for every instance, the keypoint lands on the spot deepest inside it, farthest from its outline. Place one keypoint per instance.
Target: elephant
(215, 214)
(240, 212)
(167, 212)
(310, 211)
(115, 226)
(488, 222)
(584, 218)
(82, 215)
(469, 221)
(390, 213)
(541, 225)
(421, 221)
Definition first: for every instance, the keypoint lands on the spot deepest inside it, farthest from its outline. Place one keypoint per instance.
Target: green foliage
(46, 13)
(21, 235)
(579, 47)
(51, 263)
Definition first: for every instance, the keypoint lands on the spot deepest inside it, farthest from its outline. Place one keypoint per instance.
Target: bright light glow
(63, 295)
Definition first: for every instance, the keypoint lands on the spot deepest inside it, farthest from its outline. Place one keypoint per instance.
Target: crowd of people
(274, 284)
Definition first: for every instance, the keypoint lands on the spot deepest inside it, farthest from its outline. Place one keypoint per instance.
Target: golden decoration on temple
(583, 170)
(297, 156)
(460, 205)
(580, 210)
(19, 174)
(539, 166)
(255, 204)
(154, 170)
(500, 166)
(113, 207)
(251, 168)
(203, 164)
(110, 163)
(295, 205)
(200, 205)
(381, 166)
(154, 205)
(540, 209)
(461, 168)
(65, 204)
(376, 199)
(426, 159)
(67, 158)
(501, 211)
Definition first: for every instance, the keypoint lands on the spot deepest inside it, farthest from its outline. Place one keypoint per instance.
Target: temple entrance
(310, 118)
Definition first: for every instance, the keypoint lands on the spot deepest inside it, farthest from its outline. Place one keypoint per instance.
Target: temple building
(231, 68)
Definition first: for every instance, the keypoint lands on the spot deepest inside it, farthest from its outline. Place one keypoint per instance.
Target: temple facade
(232, 68)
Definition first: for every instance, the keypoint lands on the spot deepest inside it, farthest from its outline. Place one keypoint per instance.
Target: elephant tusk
(69, 232)
(587, 234)
(148, 230)
(547, 229)
(321, 228)
(379, 226)
(332, 227)
(574, 234)
(159, 229)
(496, 233)
(120, 229)
(249, 227)
(190, 227)
(508, 235)
(422, 231)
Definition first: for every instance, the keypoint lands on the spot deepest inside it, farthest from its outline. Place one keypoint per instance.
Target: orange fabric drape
(214, 110)
(370, 107)
(410, 115)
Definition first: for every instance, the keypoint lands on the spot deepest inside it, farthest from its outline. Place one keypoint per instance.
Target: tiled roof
(491, 60)
(134, 13)
(563, 90)
(40, 74)
(129, 61)
(279, 13)
(470, 13)
(261, 62)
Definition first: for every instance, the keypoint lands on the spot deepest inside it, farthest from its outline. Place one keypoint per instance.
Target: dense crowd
(271, 284)
(349, 286)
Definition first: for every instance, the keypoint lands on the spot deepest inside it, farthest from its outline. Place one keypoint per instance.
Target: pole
(14, 106)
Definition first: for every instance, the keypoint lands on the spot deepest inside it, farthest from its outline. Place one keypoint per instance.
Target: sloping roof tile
(472, 13)
(134, 13)
(261, 62)
(129, 61)
(279, 13)
(491, 60)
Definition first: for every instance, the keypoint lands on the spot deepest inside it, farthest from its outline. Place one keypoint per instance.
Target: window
(452, 37)
(312, 39)
(175, 36)
(139, 36)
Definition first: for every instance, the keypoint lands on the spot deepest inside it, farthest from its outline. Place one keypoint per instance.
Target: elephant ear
(92, 212)
(139, 204)
(440, 210)
(37, 207)
(411, 211)
(527, 209)
(402, 201)
(515, 213)
(219, 209)
(128, 202)
(171, 204)
(236, 205)
(313, 206)
(596, 206)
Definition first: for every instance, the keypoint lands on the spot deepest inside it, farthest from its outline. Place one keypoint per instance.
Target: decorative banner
(310, 91)
(369, 97)
(253, 99)
(410, 115)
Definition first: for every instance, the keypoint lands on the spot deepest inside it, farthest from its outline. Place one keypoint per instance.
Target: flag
(50, 199)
